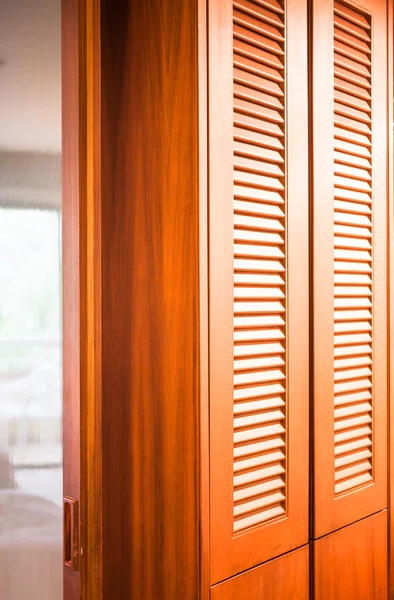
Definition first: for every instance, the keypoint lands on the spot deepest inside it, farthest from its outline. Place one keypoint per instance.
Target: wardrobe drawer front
(285, 577)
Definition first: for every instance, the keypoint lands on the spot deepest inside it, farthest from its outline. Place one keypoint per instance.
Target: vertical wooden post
(390, 278)
(81, 289)
(150, 299)
(73, 171)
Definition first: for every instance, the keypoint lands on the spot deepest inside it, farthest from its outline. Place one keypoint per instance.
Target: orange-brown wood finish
(284, 578)
(390, 225)
(351, 564)
(349, 55)
(91, 418)
(81, 290)
(204, 298)
(150, 299)
(164, 515)
(73, 169)
(258, 266)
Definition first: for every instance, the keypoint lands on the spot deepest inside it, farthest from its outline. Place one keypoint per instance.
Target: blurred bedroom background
(30, 301)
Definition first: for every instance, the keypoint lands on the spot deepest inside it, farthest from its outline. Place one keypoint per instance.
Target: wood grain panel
(150, 283)
(258, 283)
(390, 71)
(73, 172)
(81, 288)
(204, 298)
(353, 323)
(259, 276)
(91, 417)
(351, 564)
(286, 577)
(349, 254)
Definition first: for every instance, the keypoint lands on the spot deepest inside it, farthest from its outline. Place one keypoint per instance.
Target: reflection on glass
(30, 301)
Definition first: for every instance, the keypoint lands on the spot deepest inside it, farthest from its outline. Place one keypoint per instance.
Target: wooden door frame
(90, 43)
(81, 287)
(390, 226)
(81, 276)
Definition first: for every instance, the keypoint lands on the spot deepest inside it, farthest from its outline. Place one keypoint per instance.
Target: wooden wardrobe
(237, 226)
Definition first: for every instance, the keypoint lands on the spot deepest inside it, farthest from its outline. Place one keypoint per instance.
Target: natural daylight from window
(30, 301)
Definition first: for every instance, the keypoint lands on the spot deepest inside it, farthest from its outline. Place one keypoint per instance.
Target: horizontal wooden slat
(352, 362)
(363, 442)
(352, 137)
(259, 111)
(248, 279)
(352, 267)
(350, 111)
(353, 317)
(341, 35)
(351, 15)
(352, 148)
(275, 483)
(259, 20)
(244, 266)
(243, 92)
(242, 163)
(360, 432)
(254, 67)
(256, 433)
(258, 139)
(258, 10)
(344, 122)
(242, 193)
(259, 518)
(255, 208)
(360, 347)
(263, 349)
(350, 76)
(259, 82)
(350, 471)
(243, 48)
(248, 507)
(259, 334)
(257, 25)
(355, 90)
(352, 242)
(243, 121)
(265, 43)
(352, 65)
(354, 482)
(352, 207)
(355, 396)
(351, 28)
(348, 51)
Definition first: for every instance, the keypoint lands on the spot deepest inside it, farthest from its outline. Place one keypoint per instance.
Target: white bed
(30, 546)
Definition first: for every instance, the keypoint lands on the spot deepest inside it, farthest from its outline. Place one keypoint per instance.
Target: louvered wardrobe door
(349, 248)
(258, 284)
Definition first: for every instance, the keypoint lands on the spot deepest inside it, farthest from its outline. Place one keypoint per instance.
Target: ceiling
(30, 75)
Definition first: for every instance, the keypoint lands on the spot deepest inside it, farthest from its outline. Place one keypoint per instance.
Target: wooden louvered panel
(259, 391)
(349, 261)
(258, 218)
(353, 381)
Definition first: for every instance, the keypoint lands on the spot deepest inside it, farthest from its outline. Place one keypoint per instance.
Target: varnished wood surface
(351, 564)
(81, 287)
(203, 300)
(390, 71)
(285, 526)
(72, 171)
(150, 307)
(91, 426)
(333, 509)
(285, 578)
